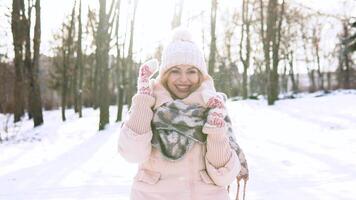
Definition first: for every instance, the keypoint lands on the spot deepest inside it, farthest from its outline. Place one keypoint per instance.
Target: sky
(152, 24)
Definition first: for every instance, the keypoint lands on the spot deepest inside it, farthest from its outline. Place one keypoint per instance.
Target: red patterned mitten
(146, 71)
(217, 112)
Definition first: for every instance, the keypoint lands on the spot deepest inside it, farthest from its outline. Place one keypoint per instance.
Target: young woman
(178, 130)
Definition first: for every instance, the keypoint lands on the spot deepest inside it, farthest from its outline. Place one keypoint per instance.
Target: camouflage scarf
(177, 126)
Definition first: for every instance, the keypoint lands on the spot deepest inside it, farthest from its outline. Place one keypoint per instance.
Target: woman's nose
(183, 77)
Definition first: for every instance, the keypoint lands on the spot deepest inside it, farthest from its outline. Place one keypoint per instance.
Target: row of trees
(104, 79)
(274, 39)
(99, 73)
(264, 44)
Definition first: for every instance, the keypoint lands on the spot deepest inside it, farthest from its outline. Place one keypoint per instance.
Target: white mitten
(146, 71)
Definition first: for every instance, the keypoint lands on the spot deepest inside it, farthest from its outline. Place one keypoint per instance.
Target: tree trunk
(266, 41)
(64, 85)
(347, 72)
(97, 69)
(275, 50)
(316, 41)
(79, 63)
(312, 87)
(129, 61)
(284, 80)
(120, 88)
(96, 82)
(230, 77)
(28, 61)
(346, 60)
(328, 75)
(267, 36)
(67, 53)
(246, 21)
(271, 42)
(212, 54)
(36, 106)
(91, 61)
(102, 52)
(291, 72)
(119, 71)
(17, 26)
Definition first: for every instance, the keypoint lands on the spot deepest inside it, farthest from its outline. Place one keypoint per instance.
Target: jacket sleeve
(135, 135)
(222, 163)
(135, 148)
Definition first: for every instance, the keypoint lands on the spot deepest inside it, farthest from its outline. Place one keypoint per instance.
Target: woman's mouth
(183, 88)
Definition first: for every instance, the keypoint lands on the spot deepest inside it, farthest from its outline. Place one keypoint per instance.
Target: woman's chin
(181, 95)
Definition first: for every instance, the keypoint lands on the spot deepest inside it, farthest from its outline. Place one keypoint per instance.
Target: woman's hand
(146, 71)
(217, 113)
(139, 119)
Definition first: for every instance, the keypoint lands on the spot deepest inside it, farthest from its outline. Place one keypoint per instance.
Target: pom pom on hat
(182, 50)
(182, 34)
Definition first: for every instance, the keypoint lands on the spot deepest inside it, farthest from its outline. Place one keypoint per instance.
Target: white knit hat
(182, 50)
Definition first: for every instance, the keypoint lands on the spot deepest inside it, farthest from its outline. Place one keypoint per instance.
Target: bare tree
(28, 58)
(7, 78)
(350, 41)
(129, 61)
(67, 55)
(94, 80)
(231, 80)
(271, 26)
(306, 41)
(103, 36)
(212, 53)
(18, 33)
(316, 46)
(293, 76)
(258, 79)
(245, 59)
(102, 58)
(119, 68)
(75, 77)
(79, 65)
(345, 61)
(288, 45)
(36, 103)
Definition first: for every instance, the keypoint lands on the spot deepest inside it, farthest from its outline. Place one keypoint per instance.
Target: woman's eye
(192, 72)
(174, 71)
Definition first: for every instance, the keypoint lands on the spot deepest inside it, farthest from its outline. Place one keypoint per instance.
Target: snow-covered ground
(300, 148)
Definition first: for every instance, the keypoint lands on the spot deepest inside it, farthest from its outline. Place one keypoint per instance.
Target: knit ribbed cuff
(213, 130)
(141, 114)
(218, 149)
(143, 100)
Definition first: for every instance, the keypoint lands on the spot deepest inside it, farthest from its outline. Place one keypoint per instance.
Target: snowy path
(298, 149)
(89, 169)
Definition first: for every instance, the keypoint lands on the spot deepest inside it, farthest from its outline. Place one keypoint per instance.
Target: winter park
(177, 100)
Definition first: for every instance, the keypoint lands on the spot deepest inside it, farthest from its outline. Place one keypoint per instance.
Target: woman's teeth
(183, 87)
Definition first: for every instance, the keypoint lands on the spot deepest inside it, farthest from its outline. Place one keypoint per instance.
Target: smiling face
(181, 80)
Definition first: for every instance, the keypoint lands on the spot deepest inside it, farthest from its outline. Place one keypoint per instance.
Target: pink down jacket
(191, 178)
